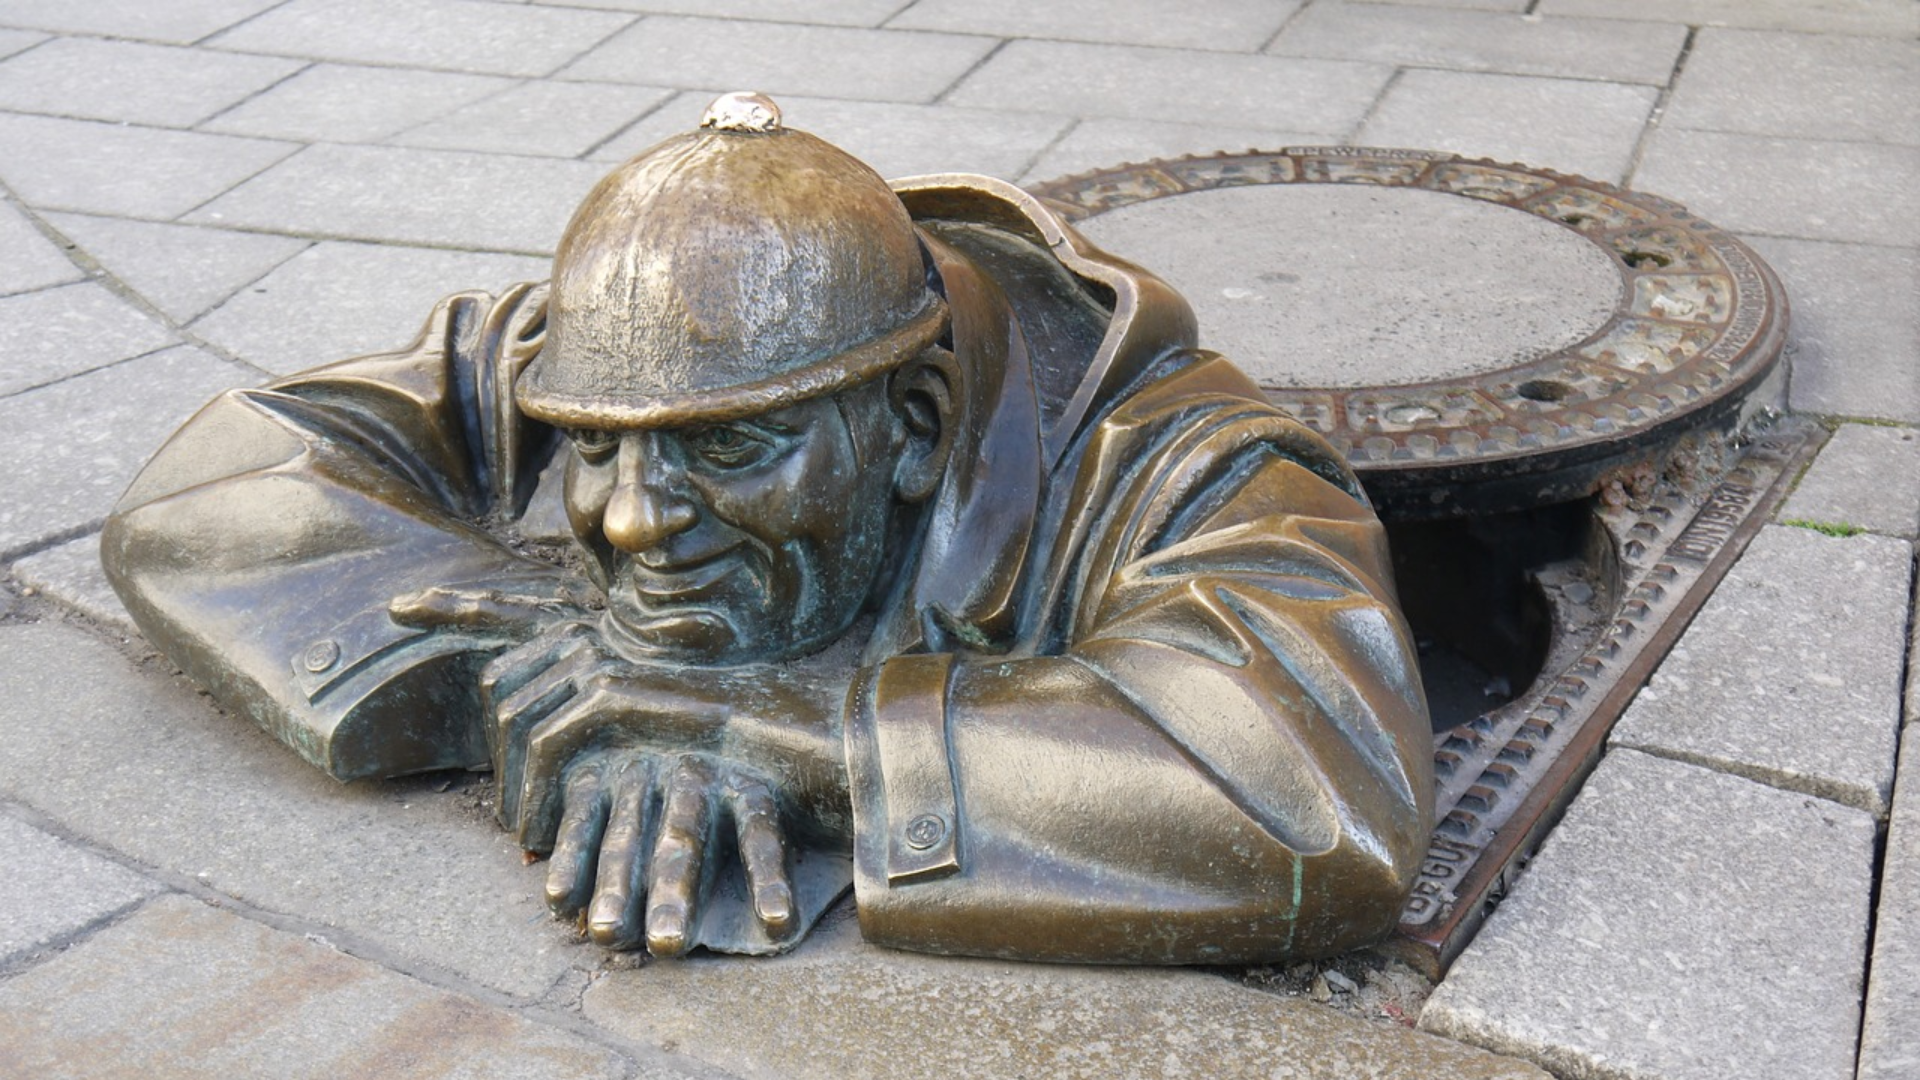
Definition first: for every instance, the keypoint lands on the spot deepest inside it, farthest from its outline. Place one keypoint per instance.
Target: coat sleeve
(261, 545)
(1227, 758)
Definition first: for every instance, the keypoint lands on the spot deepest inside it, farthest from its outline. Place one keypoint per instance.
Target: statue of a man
(914, 541)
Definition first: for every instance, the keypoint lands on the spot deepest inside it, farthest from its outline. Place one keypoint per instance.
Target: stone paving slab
(1790, 675)
(896, 139)
(435, 197)
(53, 889)
(1807, 188)
(1486, 41)
(1679, 924)
(452, 35)
(1513, 6)
(180, 269)
(182, 989)
(70, 573)
(837, 13)
(1854, 339)
(133, 82)
(1867, 476)
(1808, 85)
(1889, 1049)
(177, 23)
(28, 260)
(1227, 25)
(1176, 85)
(1103, 142)
(142, 763)
(550, 119)
(1586, 128)
(1892, 18)
(344, 103)
(842, 1009)
(13, 41)
(138, 172)
(72, 447)
(825, 61)
(338, 299)
(48, 335)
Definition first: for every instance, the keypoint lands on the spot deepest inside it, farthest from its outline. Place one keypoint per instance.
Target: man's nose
(649, 502)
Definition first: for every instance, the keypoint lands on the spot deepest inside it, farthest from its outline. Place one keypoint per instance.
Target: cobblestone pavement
(199, 194)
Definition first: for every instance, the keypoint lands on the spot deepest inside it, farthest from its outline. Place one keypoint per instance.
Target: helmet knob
(742, 110)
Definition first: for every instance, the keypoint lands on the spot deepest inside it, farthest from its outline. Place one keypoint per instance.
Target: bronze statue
(913, 541)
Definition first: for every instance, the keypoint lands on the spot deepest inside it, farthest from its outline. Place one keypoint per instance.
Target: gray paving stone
(1806, 188)
(422, 873)
(1228, 25)
(549, 119)
(28, 260)
(1679, 924)
(1573, 126)
(337, 300)
(116, 169)
(179, 23)
(138, 83)
(1866, 476)
(455, 35)
(1102, 142)
(1471, 5)
(182, 989)
(53, 889)
(839, 1008)
(13, 41)
(837, 13)
(72, 447)
(1790, 675)
(1888, 1049)
(1889, 17)
(1486, 41)
(400, 194)
(54, 333)
(1855, 335)
(828, 61)
(70, 573)
(1812, 86)
(1178, 85)
(181, 269)
(897, 140)
(346, 103)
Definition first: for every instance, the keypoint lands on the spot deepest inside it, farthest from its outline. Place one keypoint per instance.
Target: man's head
(741, 345)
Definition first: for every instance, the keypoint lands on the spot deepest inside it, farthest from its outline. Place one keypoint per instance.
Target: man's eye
(728, 445)
(593, 444)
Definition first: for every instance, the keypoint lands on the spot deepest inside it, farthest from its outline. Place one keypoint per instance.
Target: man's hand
(636, 833)
(517, 607)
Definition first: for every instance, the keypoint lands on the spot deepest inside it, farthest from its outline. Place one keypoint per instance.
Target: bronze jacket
(1144, 695)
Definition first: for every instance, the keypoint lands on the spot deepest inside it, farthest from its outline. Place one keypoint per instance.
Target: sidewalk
(202, 194)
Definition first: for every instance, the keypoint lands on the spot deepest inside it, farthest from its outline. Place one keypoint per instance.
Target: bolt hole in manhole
(1544, 390)
(1436, 318)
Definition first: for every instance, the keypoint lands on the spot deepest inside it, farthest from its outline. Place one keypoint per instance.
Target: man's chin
(695, 636)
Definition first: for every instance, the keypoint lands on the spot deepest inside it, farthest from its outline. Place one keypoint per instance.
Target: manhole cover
(1473, 336)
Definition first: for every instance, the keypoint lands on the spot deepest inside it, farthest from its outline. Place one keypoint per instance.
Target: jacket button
(925, 831)
(321, 655)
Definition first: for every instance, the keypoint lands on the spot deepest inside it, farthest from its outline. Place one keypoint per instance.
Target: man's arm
(261, 547)
(1229, 760)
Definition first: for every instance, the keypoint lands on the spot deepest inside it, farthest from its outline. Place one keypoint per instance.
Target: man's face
(754, 539)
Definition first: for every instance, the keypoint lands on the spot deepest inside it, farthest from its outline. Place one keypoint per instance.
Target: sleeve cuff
(906, 813)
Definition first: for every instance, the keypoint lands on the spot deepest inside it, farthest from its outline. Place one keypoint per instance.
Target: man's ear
(925, 395)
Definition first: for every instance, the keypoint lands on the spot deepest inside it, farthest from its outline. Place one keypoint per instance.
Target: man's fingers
(570, 871)
(686, 827)
(613, 919)
(574, 725)
(763, 854)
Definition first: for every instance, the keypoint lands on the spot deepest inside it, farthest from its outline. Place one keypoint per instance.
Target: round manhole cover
(1473, 336)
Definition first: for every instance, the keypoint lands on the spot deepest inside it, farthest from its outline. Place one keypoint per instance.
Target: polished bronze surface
(810, 531)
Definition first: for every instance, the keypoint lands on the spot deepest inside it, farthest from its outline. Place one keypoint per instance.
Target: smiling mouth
(683, 584)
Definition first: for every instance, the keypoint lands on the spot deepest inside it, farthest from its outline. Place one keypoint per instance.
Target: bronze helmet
(725, 272)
